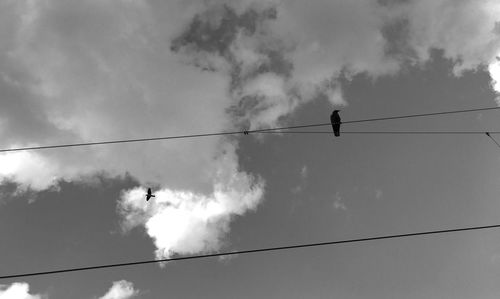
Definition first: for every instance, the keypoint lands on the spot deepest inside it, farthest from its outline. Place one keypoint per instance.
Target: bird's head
(336, 110)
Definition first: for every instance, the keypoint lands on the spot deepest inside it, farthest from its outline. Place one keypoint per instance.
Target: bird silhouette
(149, 195)
(335, 120)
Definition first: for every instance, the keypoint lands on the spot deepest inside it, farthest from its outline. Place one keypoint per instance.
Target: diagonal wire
(258, 250)
(116, 141)
(238, 132)
(488, 134)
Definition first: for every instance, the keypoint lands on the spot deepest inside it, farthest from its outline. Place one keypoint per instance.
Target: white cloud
(330, 35)
(20, 290)
(494, 69)
(273, 101)
(28, 168)
(78, 71)
(121, 290)
(246, 53)
(336, 97)
(324, 39)
(93, 73)
(186, 222)
(465, 30)
(17, 290)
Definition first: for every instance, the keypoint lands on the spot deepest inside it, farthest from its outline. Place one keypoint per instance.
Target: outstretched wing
(149, 191)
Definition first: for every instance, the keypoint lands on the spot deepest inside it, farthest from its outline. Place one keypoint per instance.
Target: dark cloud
(240, 43)
(216, 36)
(217, 33)
(397, 34)
(7, 190)
(388, 3)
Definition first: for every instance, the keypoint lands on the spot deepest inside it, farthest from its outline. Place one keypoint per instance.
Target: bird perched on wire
(335, 120)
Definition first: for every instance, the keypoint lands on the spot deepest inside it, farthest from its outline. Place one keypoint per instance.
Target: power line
(387, 132)
(377, 119)
(423, 114)
(116, 141)
(280, 248)
(488, 134)
(246, 132)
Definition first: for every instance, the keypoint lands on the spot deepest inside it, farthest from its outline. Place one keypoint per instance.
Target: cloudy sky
(92, 70)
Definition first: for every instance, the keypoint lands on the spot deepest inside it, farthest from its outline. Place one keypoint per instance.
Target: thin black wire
(488, 134)
(246, 132)
(253, 251)
(116, 141)
(376, 119)
(420, 115)
(385, 132)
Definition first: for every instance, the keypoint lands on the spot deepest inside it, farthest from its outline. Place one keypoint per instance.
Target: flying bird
(149, 195)
(335, 120)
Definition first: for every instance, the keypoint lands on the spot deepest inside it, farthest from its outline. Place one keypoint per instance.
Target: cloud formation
(186, 222)
(79, 71)
(494, 69)
(88, 70)
(467, 31)
(17, 290)
(20, 290)
(121, 290)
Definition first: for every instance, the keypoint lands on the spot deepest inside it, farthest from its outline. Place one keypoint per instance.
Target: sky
(90, 70)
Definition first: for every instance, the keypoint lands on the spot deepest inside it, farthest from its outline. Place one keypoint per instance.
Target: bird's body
(149, 195)
(335, 120)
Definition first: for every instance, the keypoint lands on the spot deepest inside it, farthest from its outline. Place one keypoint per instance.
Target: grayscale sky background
(88, 70)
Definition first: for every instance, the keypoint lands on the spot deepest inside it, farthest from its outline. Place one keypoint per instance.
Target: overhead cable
(422, 114)
(388, 132)
(246, 132)
(258, 250)
(115, 141)
(489, 135)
